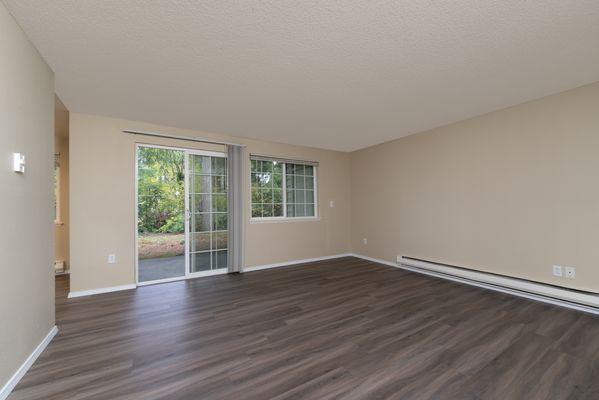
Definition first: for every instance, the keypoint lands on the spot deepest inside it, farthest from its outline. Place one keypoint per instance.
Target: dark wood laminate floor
(340, 329)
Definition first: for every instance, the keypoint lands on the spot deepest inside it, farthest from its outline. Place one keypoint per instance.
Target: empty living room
(255, 200)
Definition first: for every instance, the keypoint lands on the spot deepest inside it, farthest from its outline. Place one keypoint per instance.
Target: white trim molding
(101, 290)
(209, 273)
(375, 260)
(294, 262)
(17, 376)
(581, 301)
(201, 275)
(186, 138)
(166, 280)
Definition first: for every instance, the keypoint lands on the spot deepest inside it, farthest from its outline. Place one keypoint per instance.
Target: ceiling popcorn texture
(338, 74)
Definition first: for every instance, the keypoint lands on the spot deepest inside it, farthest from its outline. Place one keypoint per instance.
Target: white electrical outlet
(557, 271)
(570, 272)
(111, 258)
(331, 204)
(399, 259)
(365, 241)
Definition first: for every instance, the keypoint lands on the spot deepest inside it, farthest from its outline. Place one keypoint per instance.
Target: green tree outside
(161, 189)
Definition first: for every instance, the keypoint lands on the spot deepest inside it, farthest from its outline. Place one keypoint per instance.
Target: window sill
(278, 220)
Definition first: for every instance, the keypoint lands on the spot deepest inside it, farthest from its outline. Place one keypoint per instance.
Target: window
(283, 189)
(299, 184)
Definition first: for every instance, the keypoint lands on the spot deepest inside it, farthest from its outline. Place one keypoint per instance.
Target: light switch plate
(111, 258)
(570, 272)
(18, 163)
(557, 271)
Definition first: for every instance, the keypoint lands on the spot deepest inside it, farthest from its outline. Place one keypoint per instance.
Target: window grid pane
(209, 218)
(281, 189)
(300, 187)
(267, 189)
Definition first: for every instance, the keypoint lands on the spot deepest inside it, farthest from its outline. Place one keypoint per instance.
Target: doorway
(182, 213)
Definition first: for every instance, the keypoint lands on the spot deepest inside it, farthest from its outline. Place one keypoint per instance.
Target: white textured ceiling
(337, 74)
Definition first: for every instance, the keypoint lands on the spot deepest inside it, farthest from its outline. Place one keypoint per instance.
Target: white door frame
(188, 274)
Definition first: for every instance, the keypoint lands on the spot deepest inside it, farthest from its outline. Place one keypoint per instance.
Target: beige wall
(61, 146)
(26, 237)
(102, 208)
(511, 192)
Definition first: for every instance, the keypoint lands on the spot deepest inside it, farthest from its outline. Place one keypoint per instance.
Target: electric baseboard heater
(571, 298)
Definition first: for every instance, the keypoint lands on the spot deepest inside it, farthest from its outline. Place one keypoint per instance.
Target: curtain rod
(282, 159)
(187, 138)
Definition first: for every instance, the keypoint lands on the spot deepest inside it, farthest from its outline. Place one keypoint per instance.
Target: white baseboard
(100, 290)
(246, 269)
(531, 290)
(12, 382)
(293, 262)
(376, 260)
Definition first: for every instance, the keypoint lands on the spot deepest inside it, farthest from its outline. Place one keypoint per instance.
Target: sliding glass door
(182, 214)
(207, 215)
(160, 214)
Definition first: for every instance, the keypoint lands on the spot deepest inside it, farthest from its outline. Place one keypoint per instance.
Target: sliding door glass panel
(208, 224)
(161, 213)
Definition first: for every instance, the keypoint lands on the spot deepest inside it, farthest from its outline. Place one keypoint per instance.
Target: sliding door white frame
(136, 260)
(188, 273)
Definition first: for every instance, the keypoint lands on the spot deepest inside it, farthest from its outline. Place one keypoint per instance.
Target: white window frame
(285, 218)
